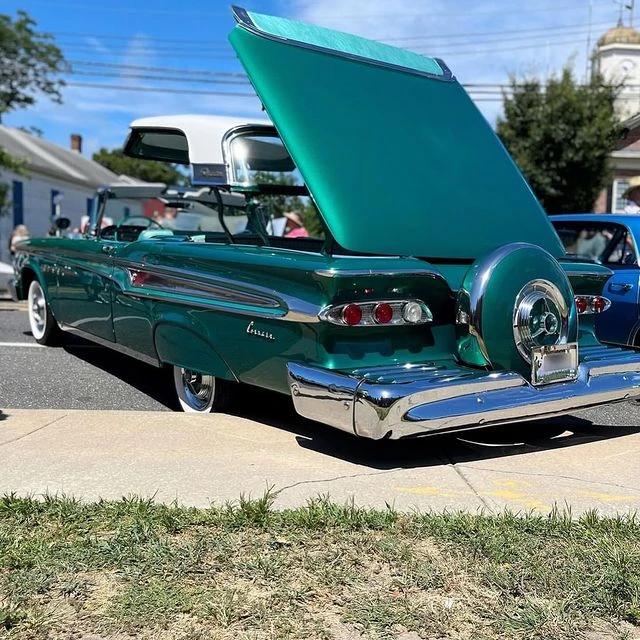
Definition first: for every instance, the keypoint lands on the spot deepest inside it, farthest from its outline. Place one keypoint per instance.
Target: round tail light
(383, 313)
(581, 304)
(598, 304)
(352, 314)
(412, 312)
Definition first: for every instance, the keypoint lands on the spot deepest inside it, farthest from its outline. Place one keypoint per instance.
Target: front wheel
(199, 392)
(44, 327)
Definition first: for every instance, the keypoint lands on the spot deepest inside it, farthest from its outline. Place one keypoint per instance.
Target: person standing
(632, 194)
(295, 226)
(19, 234)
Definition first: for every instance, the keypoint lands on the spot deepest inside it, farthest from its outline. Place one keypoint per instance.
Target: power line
(141, 76)
(468, 34)
(135, 67)
(179, 54)
(96, 7)
(223, 44)
(456, 52)
(549, 9)
(536, 37)
(165, 90)
(432, 51)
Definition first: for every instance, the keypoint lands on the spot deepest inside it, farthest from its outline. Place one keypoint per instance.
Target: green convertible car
(375, 254)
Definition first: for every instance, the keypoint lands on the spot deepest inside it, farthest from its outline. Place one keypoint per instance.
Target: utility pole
(587, 64)
(629, 5)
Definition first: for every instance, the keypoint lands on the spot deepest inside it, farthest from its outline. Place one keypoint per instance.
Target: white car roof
(203, 132)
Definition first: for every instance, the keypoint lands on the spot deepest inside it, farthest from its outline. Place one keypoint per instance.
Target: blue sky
(161, 57)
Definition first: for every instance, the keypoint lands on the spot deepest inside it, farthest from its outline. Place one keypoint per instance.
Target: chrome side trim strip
(243, 18)
(111, 345)
(586, 274)
(185, 286)
(222, 291)
(389, 273)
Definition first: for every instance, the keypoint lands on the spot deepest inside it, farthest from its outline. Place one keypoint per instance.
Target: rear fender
(181, 346)
(28, 271)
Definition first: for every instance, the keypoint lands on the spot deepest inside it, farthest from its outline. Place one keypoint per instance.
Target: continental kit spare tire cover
(514, 299)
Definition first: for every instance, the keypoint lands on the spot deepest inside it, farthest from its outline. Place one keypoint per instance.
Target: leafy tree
(147, 170)
(561, 134)
(30, 66)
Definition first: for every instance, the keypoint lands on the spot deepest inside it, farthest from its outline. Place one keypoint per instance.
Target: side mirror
(62, 223)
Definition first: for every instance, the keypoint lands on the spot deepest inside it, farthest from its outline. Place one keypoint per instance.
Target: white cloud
(97, 45)
(538, 38)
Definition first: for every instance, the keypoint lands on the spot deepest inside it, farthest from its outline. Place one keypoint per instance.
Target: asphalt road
(79, 375)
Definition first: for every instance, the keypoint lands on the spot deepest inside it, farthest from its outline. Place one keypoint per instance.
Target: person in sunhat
(632, 194)
(295, 226)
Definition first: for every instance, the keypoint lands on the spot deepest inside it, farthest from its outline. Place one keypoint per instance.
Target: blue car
(611, 239)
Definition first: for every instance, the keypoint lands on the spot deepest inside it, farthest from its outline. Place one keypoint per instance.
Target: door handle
(620, 286)
(107, 248)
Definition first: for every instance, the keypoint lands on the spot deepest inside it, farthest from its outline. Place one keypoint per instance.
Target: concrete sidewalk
(198, 460)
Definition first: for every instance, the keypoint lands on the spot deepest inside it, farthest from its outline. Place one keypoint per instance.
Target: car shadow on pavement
(150, 380)
(477, 444)
(276, 410)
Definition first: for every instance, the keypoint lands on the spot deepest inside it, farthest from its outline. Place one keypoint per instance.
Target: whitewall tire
(43, 325)
(199, 392)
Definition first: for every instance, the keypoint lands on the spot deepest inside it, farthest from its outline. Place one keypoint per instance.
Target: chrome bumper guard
(422, 399)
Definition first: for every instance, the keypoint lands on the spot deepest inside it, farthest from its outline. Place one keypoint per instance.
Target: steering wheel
(126, 222)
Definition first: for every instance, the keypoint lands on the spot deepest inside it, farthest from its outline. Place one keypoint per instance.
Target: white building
(58, 182)
(617, 59)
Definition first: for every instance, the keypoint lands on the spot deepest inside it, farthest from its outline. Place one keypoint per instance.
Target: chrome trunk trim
(244, 20)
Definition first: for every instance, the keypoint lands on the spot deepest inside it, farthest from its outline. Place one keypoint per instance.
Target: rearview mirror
(61, 223)
(165, 145)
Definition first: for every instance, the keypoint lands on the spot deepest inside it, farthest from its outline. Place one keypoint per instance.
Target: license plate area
(555, 363)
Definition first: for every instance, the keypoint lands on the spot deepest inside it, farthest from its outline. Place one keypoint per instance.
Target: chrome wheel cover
(37, 310)
(540, 317)
(196, 391)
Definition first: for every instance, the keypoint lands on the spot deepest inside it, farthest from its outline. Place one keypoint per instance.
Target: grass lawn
(115, 570)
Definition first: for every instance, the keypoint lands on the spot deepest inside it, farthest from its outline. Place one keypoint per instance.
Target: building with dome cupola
(617, 59)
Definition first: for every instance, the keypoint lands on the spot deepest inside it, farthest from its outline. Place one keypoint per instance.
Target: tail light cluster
(382, 312)
(592, 304)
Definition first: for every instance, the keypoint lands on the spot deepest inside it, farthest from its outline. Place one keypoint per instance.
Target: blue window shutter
(17, 199)
(54, 193)
(89, 206)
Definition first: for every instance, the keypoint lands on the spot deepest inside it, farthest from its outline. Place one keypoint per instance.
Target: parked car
(6, 274)
(419, 305)
(611, 240)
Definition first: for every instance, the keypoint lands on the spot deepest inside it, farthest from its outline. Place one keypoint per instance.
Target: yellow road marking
(609, 497)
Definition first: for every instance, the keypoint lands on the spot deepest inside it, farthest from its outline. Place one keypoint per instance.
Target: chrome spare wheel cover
(195, 390)
(540, 317)
(37, 310)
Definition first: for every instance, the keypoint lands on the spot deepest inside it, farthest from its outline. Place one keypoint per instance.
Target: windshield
(265, 215)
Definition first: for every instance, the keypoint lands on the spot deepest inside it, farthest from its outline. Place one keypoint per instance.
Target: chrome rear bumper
(413, 400)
